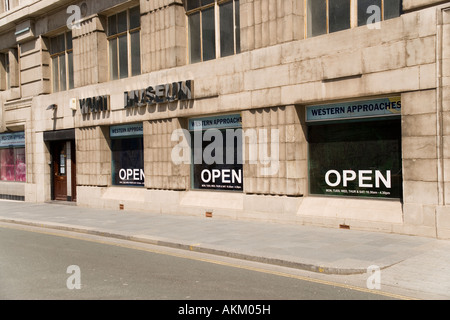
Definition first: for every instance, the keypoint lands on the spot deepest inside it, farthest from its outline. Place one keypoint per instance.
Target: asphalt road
(41, 264)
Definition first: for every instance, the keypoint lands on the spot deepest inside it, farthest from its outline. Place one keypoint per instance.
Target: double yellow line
(212, 261)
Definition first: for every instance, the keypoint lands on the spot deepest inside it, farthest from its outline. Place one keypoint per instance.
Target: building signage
(353, 110)
(16, 139)
(94, 104)
(217, 122)
(218, 141)
(170, 92)
(127, 130)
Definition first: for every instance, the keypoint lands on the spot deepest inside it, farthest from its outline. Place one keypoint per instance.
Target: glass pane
(123, 56)
(237, 26)
(194, 38)
(364, 13)
(20, 167)
(192, 4)
(364, 149)
(70, 58)
(226, 29)
(7, 165)
(53, 45)
(135, 53)
(339, 15)
(206, 2)
(135, 18)
(61, 43)
(128, 162)
(317, 17)
(112, 25)
(392, 9)
(122, 22)
(202, 177)
(113, 60)
(55, 74)
(7, 71)
(208, 34)
(62, 72)
(69, 40)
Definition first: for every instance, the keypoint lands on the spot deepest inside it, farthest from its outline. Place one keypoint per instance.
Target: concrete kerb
(193, 248)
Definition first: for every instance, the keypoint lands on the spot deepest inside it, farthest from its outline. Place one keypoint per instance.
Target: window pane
(113, 60)
(356, 146)
(123, 56)
(20, 167)
(112, 25)
(53, 45)
(122, 22)
(7, 165)
(135, 53)
(7, 71)
(364, 13)
(392, 9)
(237, 26)
(317, 17)
(55, 73)
(208, 34)
(192, 4)
(339, 15)
(226, 29)
(62, 72)
(135, 18)
(128, 154)
(70, 58)
(61, 43)
(194, 38)
(69, 41)
(206, 2)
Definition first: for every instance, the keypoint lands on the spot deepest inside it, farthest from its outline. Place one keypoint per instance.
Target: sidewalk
(414, 263)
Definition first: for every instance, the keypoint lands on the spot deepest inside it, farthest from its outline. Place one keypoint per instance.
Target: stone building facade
(337, 118)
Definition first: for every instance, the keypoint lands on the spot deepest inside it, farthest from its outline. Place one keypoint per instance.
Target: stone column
(90, 58)
(268, 22)
(163, 39)
(93, 156)
(161, 172)
(279, 135)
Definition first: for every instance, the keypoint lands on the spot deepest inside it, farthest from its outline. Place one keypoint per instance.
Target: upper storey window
(327, 16)
(61, 53)
(124, 44)
(214, 29)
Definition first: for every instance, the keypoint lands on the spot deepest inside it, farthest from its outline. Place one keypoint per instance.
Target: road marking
(212, 261)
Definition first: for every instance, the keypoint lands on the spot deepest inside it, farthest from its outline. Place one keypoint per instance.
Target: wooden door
(59, 155)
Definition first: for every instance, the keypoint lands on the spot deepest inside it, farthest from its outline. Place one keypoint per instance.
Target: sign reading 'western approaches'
(351, 110)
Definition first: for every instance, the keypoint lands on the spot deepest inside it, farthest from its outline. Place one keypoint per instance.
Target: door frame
(68, 138)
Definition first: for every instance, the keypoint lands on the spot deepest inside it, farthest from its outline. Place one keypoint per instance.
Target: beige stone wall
(35, 71)
(90, 57)
(417, 4)
(160, 171)
(163, 35)
(443, 212)
(93, 156)
(277, 129)
(268, 22)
